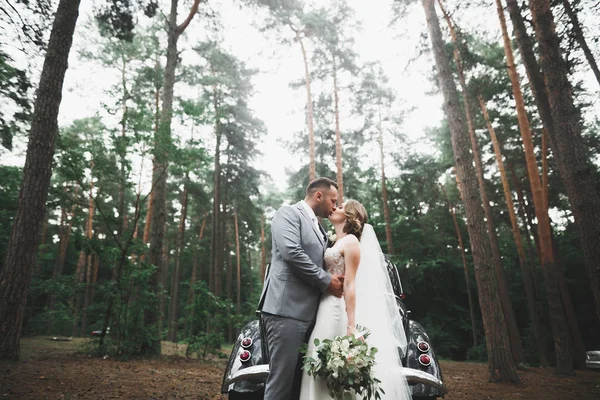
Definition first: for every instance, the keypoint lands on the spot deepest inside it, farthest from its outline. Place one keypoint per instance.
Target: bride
(368, 301)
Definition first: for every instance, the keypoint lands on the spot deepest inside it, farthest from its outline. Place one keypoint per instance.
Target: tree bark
(148, 222)
(309, 110)
(216, 248)
(64, 243)
(501, 365)
(163, 280)
(192, 290)
(338, 138)
(229, 287)
(509, 315)
(560, 330)
(238, 298)
(95, 275)
(465, 267)
(528, 278)
(84, 261)
(122, 149)
(384, 193)
(526, 218)
(161, 159)
(176, 279)
(88, 291)
(572, 158)
(15, 275)
(581, 39)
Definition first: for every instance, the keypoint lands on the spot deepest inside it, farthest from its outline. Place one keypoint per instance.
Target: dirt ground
(53, 370)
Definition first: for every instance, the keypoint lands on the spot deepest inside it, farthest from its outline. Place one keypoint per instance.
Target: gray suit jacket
(297, 276)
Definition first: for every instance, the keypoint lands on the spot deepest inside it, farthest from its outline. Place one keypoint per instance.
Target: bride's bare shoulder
(349, 242)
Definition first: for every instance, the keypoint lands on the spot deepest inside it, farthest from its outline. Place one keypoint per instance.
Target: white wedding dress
(376, 310)
(332, 321)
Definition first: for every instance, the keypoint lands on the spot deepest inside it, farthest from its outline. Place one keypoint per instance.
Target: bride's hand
(350, 330)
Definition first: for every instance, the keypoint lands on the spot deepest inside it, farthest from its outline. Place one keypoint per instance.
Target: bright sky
(279, 106)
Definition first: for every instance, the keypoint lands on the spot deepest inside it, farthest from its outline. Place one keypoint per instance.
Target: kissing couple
(318, 289)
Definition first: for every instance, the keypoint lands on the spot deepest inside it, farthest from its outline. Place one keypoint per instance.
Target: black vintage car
(248, 365)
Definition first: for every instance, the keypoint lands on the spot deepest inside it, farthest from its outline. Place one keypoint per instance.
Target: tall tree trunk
(89, 264)
(191, 293)
(560, 330)
(161, 159)
(545, 169)
(122, 149)
(39, 262)
(148, 222)
(88, 290)
(163, 280)
(15, 275)
(465, 267)
(229, 286)
(238, 299)
(384, 193)
(83, 262)
(220, 272)
(216, 248)
(572, 158)
(338, 136)
(528, 277)
(174, 306)
(95, 275)
(501, 365)
(65, 237)
(509, 315)
(309, 110)
(526, 218)
(581, 39)
(578, 346)
(263, 251)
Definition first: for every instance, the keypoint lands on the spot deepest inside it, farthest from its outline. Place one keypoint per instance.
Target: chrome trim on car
(252, 374)
(261, 372)
(414, 376)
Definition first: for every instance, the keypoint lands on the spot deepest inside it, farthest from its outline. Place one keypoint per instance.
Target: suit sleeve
(285, 228)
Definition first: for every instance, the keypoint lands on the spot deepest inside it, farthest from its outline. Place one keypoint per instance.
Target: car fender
(416, 334)
(235, 365)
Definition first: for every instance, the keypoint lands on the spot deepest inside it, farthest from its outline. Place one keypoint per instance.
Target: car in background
(592, 359)
(248, 366)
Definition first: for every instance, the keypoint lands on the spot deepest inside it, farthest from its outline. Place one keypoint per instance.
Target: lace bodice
(334, 261)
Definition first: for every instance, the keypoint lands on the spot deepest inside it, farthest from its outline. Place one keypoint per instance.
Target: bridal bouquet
(345, 363)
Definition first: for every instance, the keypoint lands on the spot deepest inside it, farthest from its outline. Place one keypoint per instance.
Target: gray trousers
(284, 337)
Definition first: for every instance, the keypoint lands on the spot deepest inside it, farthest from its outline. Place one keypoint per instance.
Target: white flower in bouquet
(345, 363)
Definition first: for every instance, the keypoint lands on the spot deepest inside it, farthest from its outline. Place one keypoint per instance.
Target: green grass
(40, 347)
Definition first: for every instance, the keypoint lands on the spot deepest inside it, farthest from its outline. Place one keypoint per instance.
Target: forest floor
(56, 370)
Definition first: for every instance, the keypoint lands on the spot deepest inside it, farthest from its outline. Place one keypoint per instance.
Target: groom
(295, 282)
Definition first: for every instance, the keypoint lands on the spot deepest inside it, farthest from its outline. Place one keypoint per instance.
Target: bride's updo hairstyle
(356, 218)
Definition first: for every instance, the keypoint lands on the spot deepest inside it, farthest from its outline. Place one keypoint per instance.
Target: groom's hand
(336, 287)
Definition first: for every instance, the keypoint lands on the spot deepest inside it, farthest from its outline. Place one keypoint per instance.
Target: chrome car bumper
(261, 372)
(252, 374)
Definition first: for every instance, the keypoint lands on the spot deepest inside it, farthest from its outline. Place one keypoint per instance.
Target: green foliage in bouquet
(345, 363)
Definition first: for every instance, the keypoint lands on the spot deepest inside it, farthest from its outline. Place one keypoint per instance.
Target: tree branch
(189, 18)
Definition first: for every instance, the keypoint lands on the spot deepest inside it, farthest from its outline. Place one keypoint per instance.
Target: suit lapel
(311, 223)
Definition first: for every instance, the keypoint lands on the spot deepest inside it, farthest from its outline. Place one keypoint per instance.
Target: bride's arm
(352, 258)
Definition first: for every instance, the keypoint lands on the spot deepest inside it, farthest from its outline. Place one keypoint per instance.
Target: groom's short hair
(319, 184)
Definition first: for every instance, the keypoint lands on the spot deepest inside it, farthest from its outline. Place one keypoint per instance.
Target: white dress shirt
(311, 215)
